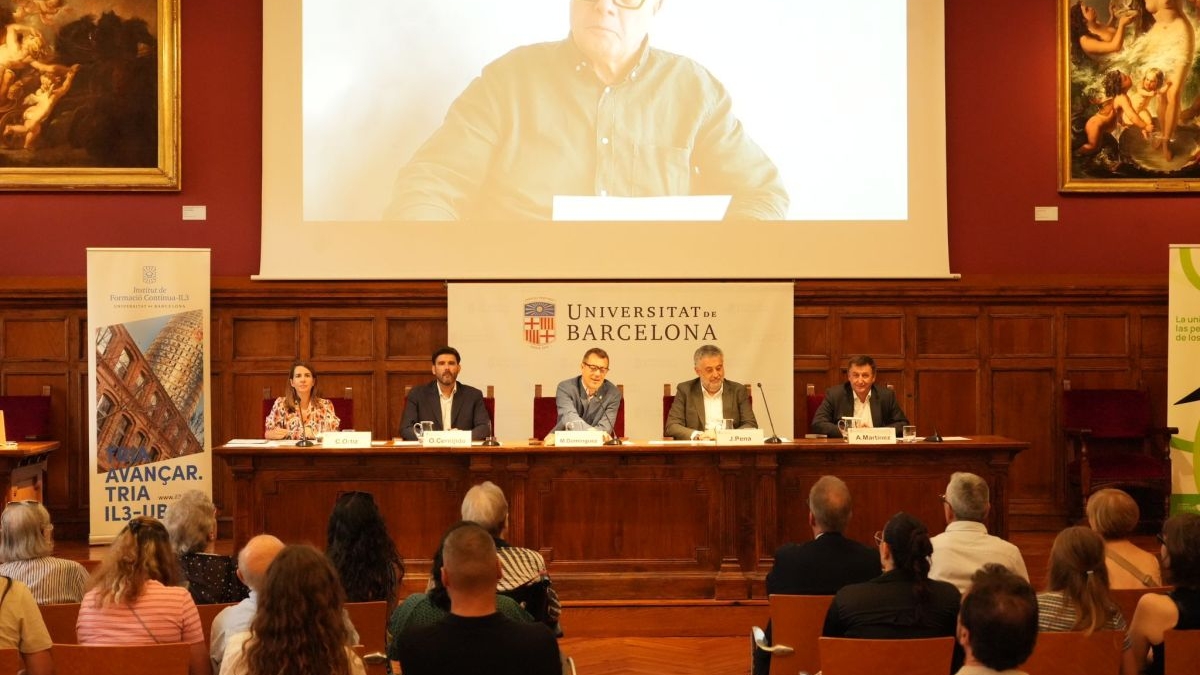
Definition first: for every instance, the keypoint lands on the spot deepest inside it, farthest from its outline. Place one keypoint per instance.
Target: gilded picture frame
(1128, 96)
(89, 95)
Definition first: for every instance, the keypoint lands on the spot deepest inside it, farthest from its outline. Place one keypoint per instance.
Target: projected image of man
(601, 113)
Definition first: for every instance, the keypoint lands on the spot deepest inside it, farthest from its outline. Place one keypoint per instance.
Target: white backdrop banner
(515, 336)
(1183, 376)
(148, 368)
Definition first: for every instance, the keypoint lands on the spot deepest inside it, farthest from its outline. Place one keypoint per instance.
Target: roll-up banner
(148, 379)
(1183, 376)
(514, 336)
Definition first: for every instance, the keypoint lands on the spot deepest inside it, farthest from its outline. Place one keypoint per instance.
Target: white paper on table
(684, 208)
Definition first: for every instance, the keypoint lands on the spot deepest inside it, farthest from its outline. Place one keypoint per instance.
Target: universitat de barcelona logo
(539, 321)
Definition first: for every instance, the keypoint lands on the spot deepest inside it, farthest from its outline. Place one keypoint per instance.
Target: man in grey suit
(445, 401)
(589, 401)
(701, 403)
(858, 397)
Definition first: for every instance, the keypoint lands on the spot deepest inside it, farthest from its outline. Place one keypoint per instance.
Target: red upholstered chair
(1111, 443)
(668, 401)
(342, 406)
(812, 401)
(489, 404)
(26, 418)
(545, 414)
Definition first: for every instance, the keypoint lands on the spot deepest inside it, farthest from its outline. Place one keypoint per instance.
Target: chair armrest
(375, 658)
(760, 641)
(1077, 433)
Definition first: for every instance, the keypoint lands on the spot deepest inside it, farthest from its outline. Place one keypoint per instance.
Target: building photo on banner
(515, 336)
(1183, 377)
(148, 382)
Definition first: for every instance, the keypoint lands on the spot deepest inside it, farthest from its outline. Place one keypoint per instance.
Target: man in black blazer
(827, 562)
(858, 397)
(445, 392)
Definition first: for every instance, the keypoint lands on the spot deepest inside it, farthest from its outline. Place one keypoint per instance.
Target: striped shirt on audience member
(52, 581)
(160, 614)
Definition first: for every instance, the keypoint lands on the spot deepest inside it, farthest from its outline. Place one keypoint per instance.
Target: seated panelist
(445, 401)
(700, 404)
(301, 414)
(588, 401)
(858, 397)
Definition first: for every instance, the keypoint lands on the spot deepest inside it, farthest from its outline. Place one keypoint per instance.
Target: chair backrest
(60, 622)
(1127, 598)
(26, 418)
(796, 621)
(11, 661)
(545, 413)
(1109, 413)
(169, 658)
(1076, 653)
(489, 404)
(668, 401)
(922, 656)
(1181, 652)
(812, 401)
(370, 620)
(208, 613)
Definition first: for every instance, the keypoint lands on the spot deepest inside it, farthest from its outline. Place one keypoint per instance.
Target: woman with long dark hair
(298, 627)
(362, 551)
(1180, 609)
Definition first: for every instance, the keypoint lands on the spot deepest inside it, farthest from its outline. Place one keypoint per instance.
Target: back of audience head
(256, 557)
(437, 590)
(1112, 513)
(998, 619)
(829, 504)
(361, 549)
(1077, 569)
(908, 544)
(485, 505)
(191, 521)
(470, 564)
(298, 626)
(140, 553)
(1181, 550)
(25, 532)
(968, 497)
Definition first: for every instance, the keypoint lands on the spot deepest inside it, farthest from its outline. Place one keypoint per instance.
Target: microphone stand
(490, 441)
(304, 441)
(612, 424)
(774, 436)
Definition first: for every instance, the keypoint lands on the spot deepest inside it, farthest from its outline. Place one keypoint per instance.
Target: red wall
(1002, 147)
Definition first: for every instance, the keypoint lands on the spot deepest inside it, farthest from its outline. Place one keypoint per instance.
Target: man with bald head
(253, 560)
(475, 638)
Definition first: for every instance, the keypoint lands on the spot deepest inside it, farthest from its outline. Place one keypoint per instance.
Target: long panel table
(674, 521)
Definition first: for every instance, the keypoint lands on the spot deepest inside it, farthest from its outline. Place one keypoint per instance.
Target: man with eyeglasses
(589, 401)
(600, 113)
(701, 405)
(966, 546)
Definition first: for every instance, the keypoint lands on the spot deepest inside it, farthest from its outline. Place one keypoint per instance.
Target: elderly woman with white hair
(26, 545)
(523, 571)
(191, 522)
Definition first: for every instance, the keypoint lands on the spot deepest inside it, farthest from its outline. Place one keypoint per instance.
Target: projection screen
(846, 102)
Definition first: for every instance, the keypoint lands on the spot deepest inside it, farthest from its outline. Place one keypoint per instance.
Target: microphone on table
(490, 441)
(774, 436)
(304, 441)
(935, 438)
(612, 424)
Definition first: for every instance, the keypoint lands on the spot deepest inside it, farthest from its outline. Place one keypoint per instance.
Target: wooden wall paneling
(1154, 334)
(810, 334)
(265, 337)
(946, 400)
(334, 380)
(35, 336)
(247, 389)
(1028, 408)
(349, 338)
(1090, 334)
(416, 337)
(877, 332)
(946, 335)
(1022, 333)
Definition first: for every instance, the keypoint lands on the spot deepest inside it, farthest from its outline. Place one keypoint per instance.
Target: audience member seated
(299, 627)
(997, 627)
(135, 597)
(475, 639)
(1077, 597)
(523, 575)
(903, 602)
(425, 609)
(1114, 515)
(253, 561)
(26, 542)
(361, 550)
(966, 546)
(1179, 609)
(212, 579)
(22, 628)
(825, 564)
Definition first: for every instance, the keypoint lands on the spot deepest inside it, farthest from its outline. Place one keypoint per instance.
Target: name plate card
(579, 438)
(876, 436)
(739, 436)
(346, 439)
(454, 438)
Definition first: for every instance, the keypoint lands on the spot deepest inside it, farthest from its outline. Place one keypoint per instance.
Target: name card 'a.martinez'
(739, 437)
(578, 438)
(454, 438)
(346, 439)
(876, 436)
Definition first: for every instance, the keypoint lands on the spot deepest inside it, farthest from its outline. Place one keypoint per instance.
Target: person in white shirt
(966, 546)
(252, 563)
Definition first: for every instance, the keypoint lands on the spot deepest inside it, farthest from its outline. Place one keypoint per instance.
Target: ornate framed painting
(89, 95)
(1128, 96)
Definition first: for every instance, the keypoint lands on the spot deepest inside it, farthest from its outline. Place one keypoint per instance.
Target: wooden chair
(922, 656)
(1076, 653)
(812, 401)
(207, 614)
(1181, 652)
(545, 414)
(11, 661)
(161, 659)
(370, 620)
(796, 623)
(1127, 598)
(60, 622)
(667, 402)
